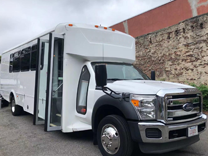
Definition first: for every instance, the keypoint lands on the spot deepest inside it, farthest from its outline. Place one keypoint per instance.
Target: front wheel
(114, 137)
(15, 109)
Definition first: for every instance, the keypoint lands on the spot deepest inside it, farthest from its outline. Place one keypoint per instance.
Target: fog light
(153, 133)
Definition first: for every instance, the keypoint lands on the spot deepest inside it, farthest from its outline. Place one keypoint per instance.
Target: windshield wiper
(138, 79)
(114, 79)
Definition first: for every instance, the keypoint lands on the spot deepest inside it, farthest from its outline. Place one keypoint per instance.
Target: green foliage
(204, 90)
(161, 79)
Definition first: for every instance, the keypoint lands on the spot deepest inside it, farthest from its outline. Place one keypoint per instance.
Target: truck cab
(159, 116)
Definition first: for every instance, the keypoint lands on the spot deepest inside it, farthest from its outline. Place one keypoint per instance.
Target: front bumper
(149, 145)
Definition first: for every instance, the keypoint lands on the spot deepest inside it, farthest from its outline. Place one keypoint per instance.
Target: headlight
(145, 105)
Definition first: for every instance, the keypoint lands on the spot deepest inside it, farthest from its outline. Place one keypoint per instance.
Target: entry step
(52, 125)
(59, 115)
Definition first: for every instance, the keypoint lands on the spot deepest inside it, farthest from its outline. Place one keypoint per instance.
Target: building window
(11, 63)
(33, 57)
(25, 59)
(16, 61)
(83, 91)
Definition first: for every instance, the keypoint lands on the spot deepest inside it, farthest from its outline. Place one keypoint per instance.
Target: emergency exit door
(49, 83)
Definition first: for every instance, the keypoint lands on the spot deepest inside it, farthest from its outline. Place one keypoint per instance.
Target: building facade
(162, 17)
(178, 53)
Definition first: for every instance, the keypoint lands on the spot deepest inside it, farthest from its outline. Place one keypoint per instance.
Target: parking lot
(19, 137)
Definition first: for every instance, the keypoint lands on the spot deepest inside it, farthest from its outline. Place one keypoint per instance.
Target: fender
(125, 107)
(15, 96)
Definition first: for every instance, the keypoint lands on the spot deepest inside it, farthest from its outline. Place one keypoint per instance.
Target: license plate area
(192, 131)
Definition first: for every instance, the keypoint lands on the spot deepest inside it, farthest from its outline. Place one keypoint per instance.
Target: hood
(144, 86)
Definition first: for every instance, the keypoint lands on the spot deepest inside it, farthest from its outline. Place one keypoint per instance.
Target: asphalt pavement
(19, 137)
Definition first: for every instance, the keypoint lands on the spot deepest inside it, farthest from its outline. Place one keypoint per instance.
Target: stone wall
(178, 53)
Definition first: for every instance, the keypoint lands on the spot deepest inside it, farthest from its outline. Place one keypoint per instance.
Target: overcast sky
(21, 20)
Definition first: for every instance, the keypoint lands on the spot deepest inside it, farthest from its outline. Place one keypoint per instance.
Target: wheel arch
(107, 105)
(12, 93)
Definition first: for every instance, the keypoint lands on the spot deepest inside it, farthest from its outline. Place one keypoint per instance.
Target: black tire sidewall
(121, 126)
(18, 109)
(12, 99)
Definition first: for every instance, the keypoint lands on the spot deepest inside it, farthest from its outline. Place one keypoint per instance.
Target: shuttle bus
(79, 77)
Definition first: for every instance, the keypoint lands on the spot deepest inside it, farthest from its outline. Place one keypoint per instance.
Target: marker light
(96, 26)
(113, 29)
(135, 102)
(70, 25)
(83, 110)
(105, 28)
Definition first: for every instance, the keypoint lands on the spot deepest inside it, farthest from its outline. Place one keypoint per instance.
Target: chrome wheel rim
(110, 139)
(13, 106)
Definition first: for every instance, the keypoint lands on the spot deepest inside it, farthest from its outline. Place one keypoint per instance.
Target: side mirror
(100, 75)
(152, 75)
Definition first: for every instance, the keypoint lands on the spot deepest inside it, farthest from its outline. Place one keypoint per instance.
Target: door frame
(47, 127)
(37, 82)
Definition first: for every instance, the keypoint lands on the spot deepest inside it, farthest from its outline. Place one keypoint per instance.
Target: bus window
(33, 57)
(43, 46)
(25, 59)
(16, 61)
(11, 63)
(83, 90)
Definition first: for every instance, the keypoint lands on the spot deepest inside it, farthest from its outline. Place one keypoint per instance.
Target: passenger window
(83, 91)
(43, 49)
(25, 59)
(11, 63)
(33, 57)
(16, 62)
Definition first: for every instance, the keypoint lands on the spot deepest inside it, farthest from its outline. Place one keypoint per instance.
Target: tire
(4, 103)
(15, 109)
(121, 143)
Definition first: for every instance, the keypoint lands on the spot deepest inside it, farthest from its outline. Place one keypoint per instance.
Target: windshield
(121, 71)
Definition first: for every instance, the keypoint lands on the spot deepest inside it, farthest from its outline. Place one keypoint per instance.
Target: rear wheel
(114, 137)
(15, 109)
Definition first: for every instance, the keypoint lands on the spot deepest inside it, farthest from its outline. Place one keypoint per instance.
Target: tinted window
(33, 57)
(16, 62)
(42, 55)
(11, 63)
(83, 90)
(25, 59)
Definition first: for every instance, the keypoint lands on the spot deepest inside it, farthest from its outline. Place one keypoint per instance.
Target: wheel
(15, 109)
(4, 103)
(114, 137)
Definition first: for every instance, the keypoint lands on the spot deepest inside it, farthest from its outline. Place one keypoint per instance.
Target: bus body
(53, 77)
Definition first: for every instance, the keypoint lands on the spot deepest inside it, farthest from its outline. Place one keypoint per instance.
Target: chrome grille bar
(181, 112)
(182, 101)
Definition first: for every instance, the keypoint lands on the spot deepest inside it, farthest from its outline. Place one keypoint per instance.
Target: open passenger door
(49, 83)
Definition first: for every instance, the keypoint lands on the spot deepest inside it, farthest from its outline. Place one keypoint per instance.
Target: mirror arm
(112, 94)
(105, 89)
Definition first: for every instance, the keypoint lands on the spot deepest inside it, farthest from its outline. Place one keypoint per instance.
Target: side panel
(21, 83)
(72, 64)
(7, 81)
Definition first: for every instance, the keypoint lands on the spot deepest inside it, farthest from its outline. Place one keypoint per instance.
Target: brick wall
(162, 17)
(178, 53)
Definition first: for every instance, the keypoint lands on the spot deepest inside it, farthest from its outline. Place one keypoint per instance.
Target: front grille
(182, 107)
